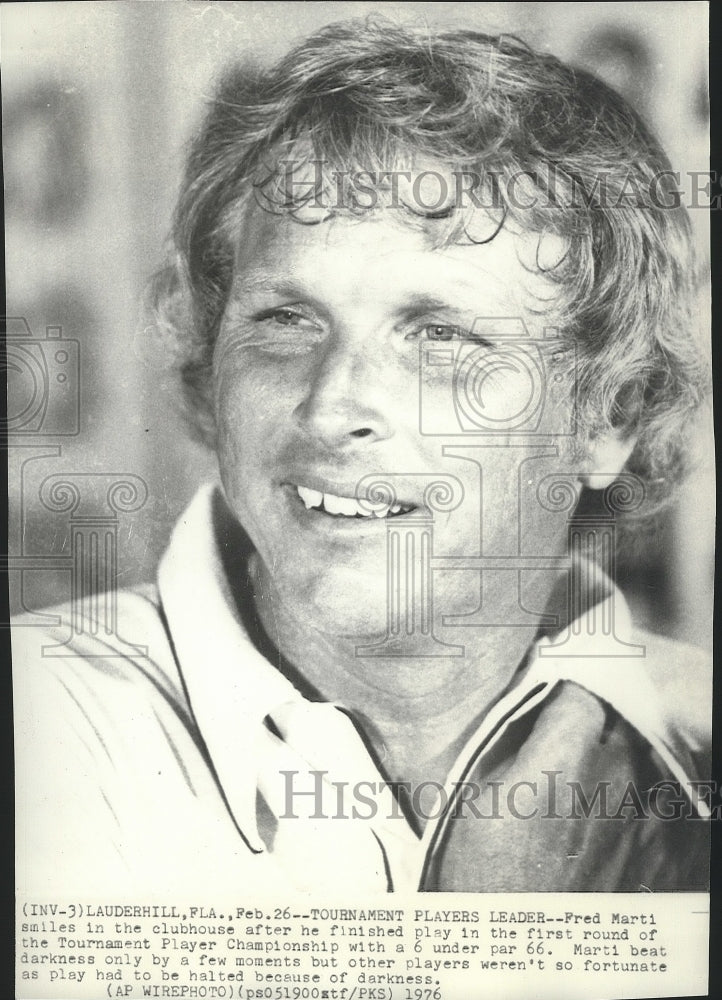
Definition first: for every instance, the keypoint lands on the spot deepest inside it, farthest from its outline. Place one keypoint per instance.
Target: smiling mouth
(349, 507)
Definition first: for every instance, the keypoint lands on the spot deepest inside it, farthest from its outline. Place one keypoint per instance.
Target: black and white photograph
(361, 486)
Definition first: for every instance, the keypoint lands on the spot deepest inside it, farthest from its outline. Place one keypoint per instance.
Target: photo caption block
(434, 946)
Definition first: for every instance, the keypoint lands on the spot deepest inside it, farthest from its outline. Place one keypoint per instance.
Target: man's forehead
(276, 247)
(449, 203)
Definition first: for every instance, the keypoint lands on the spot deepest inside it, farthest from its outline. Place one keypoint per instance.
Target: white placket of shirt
(233, 689)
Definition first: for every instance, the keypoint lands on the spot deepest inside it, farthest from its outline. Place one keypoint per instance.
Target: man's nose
(348, 396)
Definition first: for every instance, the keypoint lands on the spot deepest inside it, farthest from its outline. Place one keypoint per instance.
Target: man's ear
(606, 456)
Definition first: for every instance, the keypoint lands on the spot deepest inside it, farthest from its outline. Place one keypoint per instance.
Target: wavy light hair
(367, 95)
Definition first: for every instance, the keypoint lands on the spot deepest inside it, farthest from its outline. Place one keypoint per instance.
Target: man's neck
(416, 712)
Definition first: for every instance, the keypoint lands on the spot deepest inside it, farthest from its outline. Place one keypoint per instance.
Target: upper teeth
(347, 506)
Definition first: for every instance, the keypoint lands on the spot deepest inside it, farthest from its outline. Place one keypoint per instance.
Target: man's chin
(338, 607)
(344, 620)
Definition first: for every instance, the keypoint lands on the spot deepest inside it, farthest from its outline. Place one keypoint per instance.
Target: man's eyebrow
(257, 281)
(420, 305)
(410, 306)
(413, 305)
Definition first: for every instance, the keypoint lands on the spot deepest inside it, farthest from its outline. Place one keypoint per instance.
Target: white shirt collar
(230, 685)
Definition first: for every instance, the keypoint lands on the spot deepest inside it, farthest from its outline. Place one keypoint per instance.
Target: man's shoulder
(117, 644)
(681, 674)
(667, 657)
(662, 690)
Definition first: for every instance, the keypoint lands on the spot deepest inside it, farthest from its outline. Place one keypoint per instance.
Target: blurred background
(99, 100)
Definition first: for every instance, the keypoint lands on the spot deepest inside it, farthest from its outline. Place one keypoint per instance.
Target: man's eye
(284, 317)
(282, 321)
(443, 331)
(437, 331)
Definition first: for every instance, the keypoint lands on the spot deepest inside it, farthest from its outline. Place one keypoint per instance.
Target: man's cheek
(236, 409)
(235, 451)
(228, 440)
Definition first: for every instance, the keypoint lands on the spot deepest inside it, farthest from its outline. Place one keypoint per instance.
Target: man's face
(322, 380)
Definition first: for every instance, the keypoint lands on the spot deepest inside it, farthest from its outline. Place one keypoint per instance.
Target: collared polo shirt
(172, 753)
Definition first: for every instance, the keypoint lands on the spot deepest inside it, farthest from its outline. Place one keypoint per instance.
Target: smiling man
(429, 293)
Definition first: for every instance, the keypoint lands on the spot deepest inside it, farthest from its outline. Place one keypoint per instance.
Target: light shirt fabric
(171, 770)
